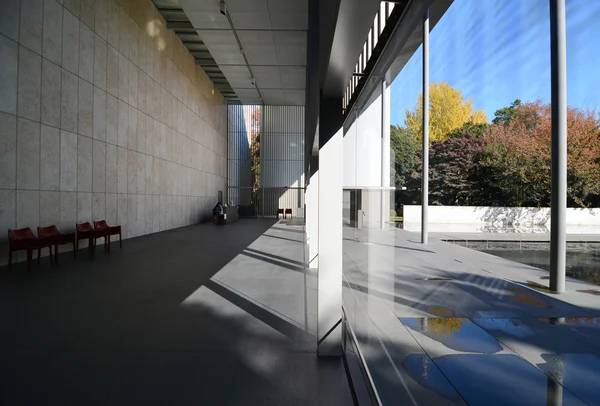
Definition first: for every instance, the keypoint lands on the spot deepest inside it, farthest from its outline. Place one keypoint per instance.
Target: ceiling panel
(289, 21)
(274, 97)
(250, 20)
(248, 96)
(237, 76)
(204, 13)
(293, 77)
(259, 47)
(290, 47)
(267, 77)
(247, 5)
(287, 6)
(249, 14)
(272, 34)
(222, 46)
(289, 14)
(294, 97)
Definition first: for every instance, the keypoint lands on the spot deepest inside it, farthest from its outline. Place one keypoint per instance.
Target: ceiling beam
(207, 62)
(180, 26)
(184, 26)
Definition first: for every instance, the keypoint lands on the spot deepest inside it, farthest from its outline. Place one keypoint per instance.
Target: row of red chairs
(48, 237)
(284, 213)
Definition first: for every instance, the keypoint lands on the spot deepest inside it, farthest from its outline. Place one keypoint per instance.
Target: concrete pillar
(558, 221)
(425, 169)
(312, 220)
(329, 305)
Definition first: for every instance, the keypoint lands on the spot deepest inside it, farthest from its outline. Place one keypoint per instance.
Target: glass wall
(368, 234)
(489, 156)
(266, 160)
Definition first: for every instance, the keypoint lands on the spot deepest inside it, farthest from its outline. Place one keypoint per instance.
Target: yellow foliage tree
(448, 111)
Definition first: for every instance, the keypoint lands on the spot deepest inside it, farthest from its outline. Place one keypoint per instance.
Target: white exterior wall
(282, 158)
(367, 161)
(477, 218)
(362, 149)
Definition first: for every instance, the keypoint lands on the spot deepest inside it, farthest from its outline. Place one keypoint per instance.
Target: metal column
(558, 208)
(425, 160)
(385, 154)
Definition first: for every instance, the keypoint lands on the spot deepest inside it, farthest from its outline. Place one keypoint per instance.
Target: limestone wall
(104, 115)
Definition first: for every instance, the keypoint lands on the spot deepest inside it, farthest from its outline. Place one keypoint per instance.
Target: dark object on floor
(108, 231)
(52, 237)
(85, 231)
(22, 239)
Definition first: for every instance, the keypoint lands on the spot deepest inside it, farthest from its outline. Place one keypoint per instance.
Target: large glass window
(266, 160)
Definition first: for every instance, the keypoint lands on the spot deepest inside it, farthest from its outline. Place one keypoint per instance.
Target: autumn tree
(448, 111)
(506, 114)
(255, 150)
(403, 148)
(453, 169)
(516, 164)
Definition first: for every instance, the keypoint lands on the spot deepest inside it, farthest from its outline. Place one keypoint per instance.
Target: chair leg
(39, 251)
(108, 242)
(51, 259)
(120, 241)
(76, 247)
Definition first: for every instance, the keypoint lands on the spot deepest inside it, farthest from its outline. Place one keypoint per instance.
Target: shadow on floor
(111, 329)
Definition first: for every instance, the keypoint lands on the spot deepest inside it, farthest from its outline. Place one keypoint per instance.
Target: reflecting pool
(583, 259)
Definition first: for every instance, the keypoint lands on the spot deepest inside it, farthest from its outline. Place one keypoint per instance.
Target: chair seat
(23, 239)
(106, 230)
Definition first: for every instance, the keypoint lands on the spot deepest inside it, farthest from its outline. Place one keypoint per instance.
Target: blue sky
(496, 51)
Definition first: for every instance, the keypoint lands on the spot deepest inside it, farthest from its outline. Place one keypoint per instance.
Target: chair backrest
(47, 231)
(20, 234)
(84, 227)
(100, 225)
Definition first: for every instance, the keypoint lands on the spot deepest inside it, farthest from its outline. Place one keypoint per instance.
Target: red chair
(280, 211)
(22, 239)
(85, 231)
(53, 237)
(108, 231)
(288, 211)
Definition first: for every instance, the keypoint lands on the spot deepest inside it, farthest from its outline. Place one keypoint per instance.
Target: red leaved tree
(516, 164)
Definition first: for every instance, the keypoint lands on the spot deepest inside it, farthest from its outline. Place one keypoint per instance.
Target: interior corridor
(203, 314)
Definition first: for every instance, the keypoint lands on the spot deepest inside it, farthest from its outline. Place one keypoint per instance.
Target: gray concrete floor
(201, 315)
(441, 324)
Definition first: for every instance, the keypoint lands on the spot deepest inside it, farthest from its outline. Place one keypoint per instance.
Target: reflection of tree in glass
(523, 296)
(441, 326)
(255, 150)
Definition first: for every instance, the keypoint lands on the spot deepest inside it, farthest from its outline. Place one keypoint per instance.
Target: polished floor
(443, 325)
(202, 315)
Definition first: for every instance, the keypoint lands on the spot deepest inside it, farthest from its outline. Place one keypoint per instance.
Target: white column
(312, 221)
(425, 160)
(329, 305)
(385, 153)
(558, 206)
